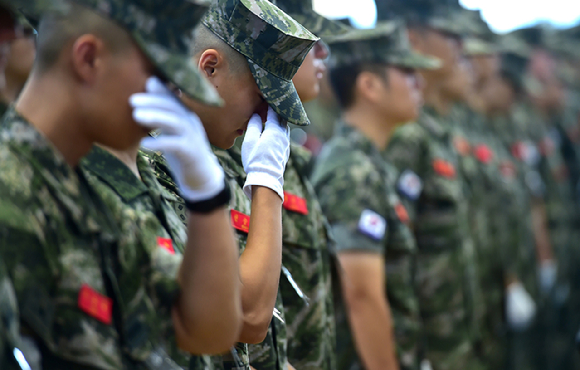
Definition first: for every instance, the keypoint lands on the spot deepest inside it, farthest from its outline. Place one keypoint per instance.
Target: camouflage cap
(512, 44)
(302, 11)
(475, 46)
(161, 28)
(274, 44)
(387, 43)
(441, 15)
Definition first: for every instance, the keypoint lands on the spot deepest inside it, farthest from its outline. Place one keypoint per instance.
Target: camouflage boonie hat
(387, 43)
(474, 46)
(302, 11)
(274, 44)
(161, 28)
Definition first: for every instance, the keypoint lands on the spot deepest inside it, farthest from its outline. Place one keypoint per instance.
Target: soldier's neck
(374, 125)
(53, 111)
(434, 98)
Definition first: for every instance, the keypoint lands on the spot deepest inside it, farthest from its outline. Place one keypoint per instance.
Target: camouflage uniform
(444, 271)
(68, 294)
(91, 295)
(145, 196)
(352, 178)
(308, 299)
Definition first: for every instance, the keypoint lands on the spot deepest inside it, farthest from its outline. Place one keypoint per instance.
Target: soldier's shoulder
(411, 131)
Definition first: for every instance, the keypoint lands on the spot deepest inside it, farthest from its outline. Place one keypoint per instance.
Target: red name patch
(483, 153)
(95, 304)
(402, 213)
(461, 145)
(295, 203)
(166, 244)
(240, 221)
(444, 168)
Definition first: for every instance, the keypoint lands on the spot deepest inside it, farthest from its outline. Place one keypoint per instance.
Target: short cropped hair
(57, 29)
(204, 39)
(343, 80)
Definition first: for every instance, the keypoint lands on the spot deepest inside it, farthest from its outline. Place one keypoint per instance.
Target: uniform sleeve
(350, 198)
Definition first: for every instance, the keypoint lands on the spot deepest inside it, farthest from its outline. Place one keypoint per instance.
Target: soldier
(19, 62)
(91, 295)
(445, 271)
(250, 50)
(8, 28)
(373, 76)
(501, 94)
(307, 290)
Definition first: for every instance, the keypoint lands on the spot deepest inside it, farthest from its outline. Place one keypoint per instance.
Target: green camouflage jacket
(271, 353)
(238, 358)
(147, 196)
(307, 290)
(358, 193)
(71, 267)
(445, 271)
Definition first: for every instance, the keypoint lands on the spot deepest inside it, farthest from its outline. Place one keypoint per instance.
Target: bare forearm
(371, 324)
(260, 264)
(209, 306)
(541, 233)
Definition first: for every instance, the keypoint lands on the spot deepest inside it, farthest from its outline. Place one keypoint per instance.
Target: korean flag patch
(372, 224)
(410, 185)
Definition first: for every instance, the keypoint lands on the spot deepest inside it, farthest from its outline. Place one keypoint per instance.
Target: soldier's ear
(210, 63)
(367, 85)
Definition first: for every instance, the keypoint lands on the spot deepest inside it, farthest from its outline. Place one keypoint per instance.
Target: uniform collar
(69, 186)
(110, 170)
(432, 121)
(356, 137)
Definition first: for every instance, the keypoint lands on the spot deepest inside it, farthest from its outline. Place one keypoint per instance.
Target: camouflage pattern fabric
(3, 108)
(308, 300)
(302, 11)
(9, 320)
(274, 45)
(161, 29)
(68, 293)
(238, 358)
(350, 178)
(445, 275)
(387, 43)
(271, 353)
(146, 196)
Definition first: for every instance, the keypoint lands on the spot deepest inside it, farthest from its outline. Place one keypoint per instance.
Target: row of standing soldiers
(447, 243)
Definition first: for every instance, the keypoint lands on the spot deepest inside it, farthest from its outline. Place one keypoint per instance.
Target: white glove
(182, 140)
(520, 307)
(265, 153)
(547, 273)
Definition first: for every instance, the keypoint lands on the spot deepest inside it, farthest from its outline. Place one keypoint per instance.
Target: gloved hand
(265, 153)
(547, 273)
(520, 307)
(182, 140)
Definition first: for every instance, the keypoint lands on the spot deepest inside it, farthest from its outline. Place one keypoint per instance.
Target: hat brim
(414, 60)
(178, 68)
(280, 94)
(320, 25)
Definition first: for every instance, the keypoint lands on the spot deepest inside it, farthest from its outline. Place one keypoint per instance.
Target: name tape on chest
(166, 244)
(483, 153)
(402, 213)
(95, 304)
(461, 145)
(444, 168)
(372, 224)
(294, 203)
(240, 221)
(410, 185)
